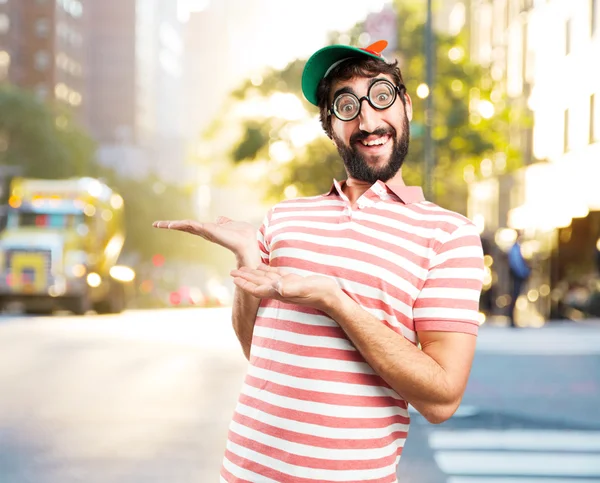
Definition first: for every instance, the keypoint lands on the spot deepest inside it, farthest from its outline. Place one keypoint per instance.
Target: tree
(471, 123)
(41, 138)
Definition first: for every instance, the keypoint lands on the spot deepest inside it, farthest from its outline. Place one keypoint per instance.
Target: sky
(275, 32)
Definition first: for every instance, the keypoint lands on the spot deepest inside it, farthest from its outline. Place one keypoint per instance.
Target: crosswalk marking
(517, 439)
(506, 463)
(477, 479)
(558, 340)
(517, 456)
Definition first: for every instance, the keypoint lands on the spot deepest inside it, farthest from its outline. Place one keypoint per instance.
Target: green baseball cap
(324, 60)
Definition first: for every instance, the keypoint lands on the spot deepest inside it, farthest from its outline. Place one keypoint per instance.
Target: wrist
(248, 259)
(333, 301)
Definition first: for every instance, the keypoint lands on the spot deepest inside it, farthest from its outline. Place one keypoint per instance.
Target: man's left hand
(270, 282)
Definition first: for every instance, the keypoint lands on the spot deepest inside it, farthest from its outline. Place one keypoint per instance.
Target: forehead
(357, 84)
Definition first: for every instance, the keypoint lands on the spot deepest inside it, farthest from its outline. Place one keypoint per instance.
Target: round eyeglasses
(381, 95)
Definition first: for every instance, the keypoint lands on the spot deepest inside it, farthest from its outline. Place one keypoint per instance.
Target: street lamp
(429, 154)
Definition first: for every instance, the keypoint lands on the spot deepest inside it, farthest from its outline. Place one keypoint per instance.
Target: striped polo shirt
(311, 409)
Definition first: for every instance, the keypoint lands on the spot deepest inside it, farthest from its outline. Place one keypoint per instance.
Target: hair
(354, 67)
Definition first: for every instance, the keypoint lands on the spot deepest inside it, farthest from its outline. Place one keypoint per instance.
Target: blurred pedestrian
(519, 271)
(333, 301)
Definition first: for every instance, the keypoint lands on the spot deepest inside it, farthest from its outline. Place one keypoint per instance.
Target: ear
(408, 106)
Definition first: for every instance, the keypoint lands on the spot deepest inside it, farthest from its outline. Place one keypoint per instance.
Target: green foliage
(41, 138)
(255, 138)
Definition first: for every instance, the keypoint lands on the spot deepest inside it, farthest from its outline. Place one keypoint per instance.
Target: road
(146, 396)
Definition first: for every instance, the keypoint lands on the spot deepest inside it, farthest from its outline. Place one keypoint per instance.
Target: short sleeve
(262, 237)
(449, 299)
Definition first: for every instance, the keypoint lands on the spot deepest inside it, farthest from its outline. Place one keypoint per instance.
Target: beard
(355, 162)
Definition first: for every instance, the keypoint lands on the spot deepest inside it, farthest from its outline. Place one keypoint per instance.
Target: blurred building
(554, 199)
(42, 49)
(135, 54)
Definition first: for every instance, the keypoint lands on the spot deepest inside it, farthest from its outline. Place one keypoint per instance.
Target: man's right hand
(237, 236)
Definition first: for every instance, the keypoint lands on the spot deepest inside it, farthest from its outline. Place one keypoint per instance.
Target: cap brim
(320, 62)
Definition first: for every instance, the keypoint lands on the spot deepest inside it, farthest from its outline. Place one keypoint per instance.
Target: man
(346, 285)
(519, 273)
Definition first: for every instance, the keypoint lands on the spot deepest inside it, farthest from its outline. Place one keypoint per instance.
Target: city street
(146, 396)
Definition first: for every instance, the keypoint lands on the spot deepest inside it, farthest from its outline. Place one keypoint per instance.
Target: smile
(375, 141)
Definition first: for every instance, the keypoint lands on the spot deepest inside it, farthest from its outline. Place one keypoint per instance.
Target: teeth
(376, 142)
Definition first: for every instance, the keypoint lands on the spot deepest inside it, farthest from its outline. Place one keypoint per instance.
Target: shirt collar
(406, 194)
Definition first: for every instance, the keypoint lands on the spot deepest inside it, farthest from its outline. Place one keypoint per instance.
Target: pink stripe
(376, 258)
(322, 420)
(284, 477)
(323, 397)
(308, 461)
(344, 274)
(396, 437)
(305, 351)
(371, 380)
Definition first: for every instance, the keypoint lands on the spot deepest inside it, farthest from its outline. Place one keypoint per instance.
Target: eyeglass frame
(397, 89)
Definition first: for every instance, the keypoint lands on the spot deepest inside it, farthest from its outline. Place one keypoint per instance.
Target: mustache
(362, 135)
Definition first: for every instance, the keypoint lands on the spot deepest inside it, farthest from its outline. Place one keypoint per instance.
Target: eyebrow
(348, 90)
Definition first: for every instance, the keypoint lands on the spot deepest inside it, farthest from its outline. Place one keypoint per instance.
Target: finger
(161, 224)
(259, 291)
(255, 271)
(268, 268)
(187, 226)
(257, 279)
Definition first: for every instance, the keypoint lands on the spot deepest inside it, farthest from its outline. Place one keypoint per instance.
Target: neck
(355, 188)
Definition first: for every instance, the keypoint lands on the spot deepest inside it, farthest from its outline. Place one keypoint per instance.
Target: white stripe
(323, 409)
(296, 316)
(325, 454)
(321, 431)
(504, 463)
(363, 290)
(304, 214)
(445, 313)
(456, 273)
(312, 362)
(318, 474)
(458, 253)
(435, 215)
(409, 212)
(325, 387)
(315, 202)
(345, 263)
(517, 439)
(357, 289)
(354, 244)
(400, 240)
(305, 340)
(245, 474)
(449, 293)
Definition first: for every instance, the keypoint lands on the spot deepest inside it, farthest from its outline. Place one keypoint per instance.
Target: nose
(367, 117)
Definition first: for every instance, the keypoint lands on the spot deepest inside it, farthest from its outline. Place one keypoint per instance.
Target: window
(568, 37)
(593, 16)
(42, 28)
(566, 132)
(41, 60)
(594, 120)
(4, 23)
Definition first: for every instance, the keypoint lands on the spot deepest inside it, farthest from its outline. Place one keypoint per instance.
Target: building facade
(542, 55)
(42, 49)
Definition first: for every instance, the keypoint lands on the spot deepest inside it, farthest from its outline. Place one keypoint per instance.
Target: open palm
(237, 236)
